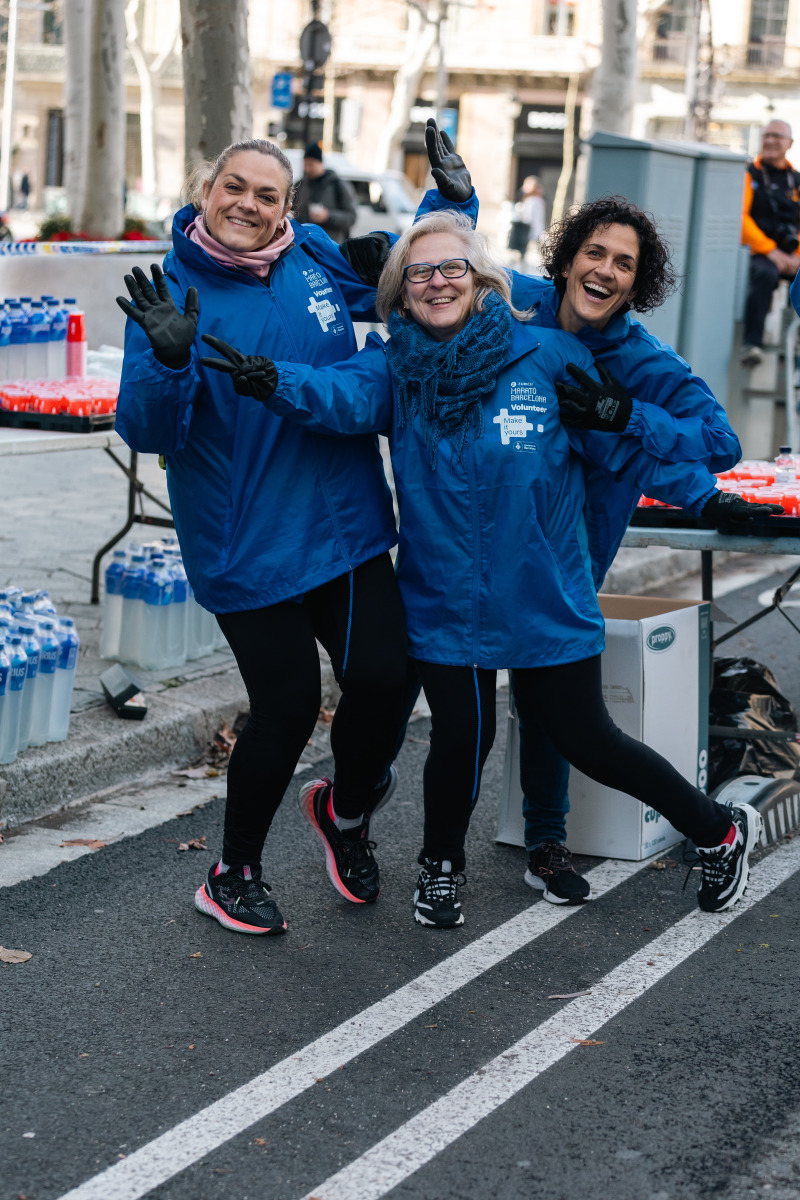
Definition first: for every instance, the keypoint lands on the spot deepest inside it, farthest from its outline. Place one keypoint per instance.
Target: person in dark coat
(324, 198)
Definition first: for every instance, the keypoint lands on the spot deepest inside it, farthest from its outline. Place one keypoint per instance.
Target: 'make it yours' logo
(661, 638)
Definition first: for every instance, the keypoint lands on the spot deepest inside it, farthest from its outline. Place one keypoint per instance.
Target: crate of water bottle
(151, 618)
(76, 404)
(38, 661)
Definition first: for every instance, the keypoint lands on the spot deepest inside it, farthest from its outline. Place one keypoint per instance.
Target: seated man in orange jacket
(770, 227)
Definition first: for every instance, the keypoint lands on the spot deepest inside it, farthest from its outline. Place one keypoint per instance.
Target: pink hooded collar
(256, 262)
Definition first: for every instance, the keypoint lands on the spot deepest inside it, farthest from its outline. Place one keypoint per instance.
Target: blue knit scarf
(446, 381)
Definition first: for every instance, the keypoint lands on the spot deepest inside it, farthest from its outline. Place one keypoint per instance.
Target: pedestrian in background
(530, 218)
(323, 198)
(771, 228)
(285, 535)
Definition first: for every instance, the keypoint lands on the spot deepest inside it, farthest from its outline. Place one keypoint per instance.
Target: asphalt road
(364, 1056)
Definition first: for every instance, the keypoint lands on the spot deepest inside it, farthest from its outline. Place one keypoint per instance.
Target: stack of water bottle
(41, 339)
(38, 659)
(150, 616)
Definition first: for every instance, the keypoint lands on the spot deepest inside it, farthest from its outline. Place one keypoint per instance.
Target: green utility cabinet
(694, 191)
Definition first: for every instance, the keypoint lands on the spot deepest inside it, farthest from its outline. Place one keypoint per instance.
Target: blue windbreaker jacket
(494, 563)
(264, 510)
(675, 416)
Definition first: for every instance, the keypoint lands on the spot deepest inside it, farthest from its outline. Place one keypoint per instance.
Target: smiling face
(600, 279)
(247, 201)
(776, 141)
(441, 306)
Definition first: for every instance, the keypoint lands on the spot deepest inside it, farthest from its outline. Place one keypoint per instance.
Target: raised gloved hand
(605, 406)
(367, 255)
(250, 375)
(447, 166)
(169, 331)
(726, 509)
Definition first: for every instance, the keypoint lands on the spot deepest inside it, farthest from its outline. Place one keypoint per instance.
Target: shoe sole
(204, 904)
(755, 824)
(305, 801)
(418, 917)
(540, 886)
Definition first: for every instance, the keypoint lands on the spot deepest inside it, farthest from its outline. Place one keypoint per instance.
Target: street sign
(282, 90)
(315, 45)
(449, 123)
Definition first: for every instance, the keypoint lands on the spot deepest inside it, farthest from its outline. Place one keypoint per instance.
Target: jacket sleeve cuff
(698, 506)
(635, 425)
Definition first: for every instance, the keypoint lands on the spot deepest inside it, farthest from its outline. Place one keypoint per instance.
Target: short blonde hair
(488, 275)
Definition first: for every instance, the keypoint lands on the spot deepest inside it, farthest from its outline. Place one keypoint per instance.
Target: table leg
(135, 488)
(707, 573)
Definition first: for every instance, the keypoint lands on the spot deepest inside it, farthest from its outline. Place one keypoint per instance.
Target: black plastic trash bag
(763, 739)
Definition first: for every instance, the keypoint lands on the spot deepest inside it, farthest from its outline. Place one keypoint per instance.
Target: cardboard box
(656, 675)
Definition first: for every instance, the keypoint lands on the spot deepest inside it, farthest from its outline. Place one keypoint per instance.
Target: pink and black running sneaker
(349, 860)
(239, 899)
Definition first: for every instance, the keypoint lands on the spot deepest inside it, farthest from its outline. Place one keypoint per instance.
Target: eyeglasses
(451, 268)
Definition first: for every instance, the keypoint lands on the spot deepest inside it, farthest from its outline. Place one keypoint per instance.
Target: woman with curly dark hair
(603, 260)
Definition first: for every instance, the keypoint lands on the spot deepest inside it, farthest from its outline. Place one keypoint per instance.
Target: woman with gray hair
(493, 563)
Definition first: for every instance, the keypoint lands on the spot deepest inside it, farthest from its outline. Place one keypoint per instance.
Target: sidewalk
(58, 509)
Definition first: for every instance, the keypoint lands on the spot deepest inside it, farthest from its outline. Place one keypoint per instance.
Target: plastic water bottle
(69, 644)
(178, 611)
(112, 606)
(76, 342)
(40, 336)
(43, 606)
(5, 338)
(12, 710)
(26, 604)
(57, 345)
(130, 636)
(201, 630)
(30, 644)
(785, 470)
(43, 698)
(157, 593)
(18, 341)
(8, 737)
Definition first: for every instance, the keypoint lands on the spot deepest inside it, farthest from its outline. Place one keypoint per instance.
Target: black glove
(367, 256)
(170, 332)
(250, 375)
(447, 167)
(726, 508)
(605, 406)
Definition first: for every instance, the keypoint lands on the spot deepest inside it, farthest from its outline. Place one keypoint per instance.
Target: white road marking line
(392, 1160)
(194, 1138)
(37, 849)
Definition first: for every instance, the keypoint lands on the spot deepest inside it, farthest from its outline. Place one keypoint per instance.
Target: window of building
(53, 24)
(559, 18)
(671, 31)
(54, 153)
(767, 33)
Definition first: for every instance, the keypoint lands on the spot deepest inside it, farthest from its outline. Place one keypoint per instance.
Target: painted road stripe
(194, 1138)
(392, 1160)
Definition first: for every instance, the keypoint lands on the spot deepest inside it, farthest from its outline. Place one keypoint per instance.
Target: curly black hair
(655, 277)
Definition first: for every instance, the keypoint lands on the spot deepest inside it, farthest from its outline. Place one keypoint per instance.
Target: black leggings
(359, 619)
(568, 700)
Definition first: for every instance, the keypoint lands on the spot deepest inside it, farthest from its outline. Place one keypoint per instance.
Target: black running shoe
(349, 860)
(239, 899)
(436, 898)
(725, 868)
(550, 870)
(385, 793)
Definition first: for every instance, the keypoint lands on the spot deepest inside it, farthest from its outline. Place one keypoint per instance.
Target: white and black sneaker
(550, 870)
(436, 898)
(725, 868)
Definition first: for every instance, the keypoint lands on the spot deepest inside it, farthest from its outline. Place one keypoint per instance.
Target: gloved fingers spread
(585, 380)
(441, 177)
(146, 289)
(433, 142)
(447, 142)
(219, 364)
(608, 379)
(769, 510)
(191, 305)
(135, 292)
(130, 310)
(231, 353)
(160, 283)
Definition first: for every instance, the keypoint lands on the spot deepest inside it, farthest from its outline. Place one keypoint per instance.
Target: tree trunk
(615, 77)
(102, 213)
(217, 95)
(149, 73)
(420, 38)
(76, 102)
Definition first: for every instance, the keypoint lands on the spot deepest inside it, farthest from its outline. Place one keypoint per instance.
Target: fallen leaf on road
(196, 772)
(430, 1026)
(84, 1056)
(14, 956)
(567, 995)
(193, 844)
(650, 963)
(92, 843)
(659, 866)
(191, 1047)
(189, 813)
(260, 1141)
(586, 1042)
(198, 954)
